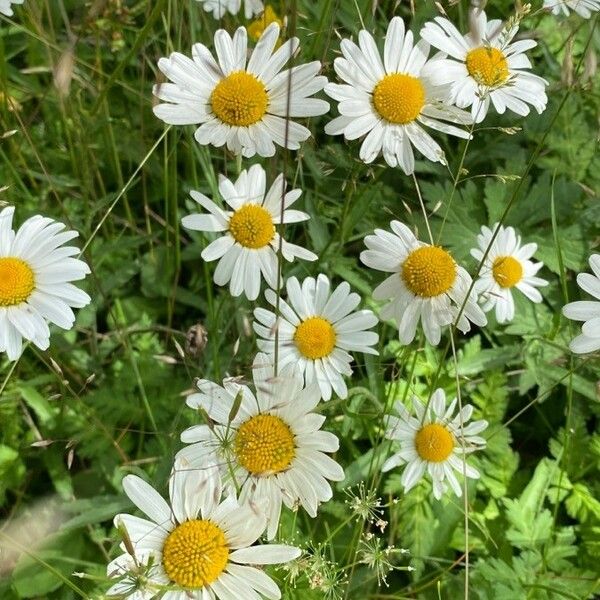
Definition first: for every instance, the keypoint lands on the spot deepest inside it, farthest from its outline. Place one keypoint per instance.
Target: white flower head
(316, 330)
(391, 101)
(507, 265)
(246, 104)
(435, 442)
(200, 547)
(248, 249)
(587, 310)
(426, 284)
(584, 8)
(485, 66)
(220, 7)
(5, 6)
(36, 271)
(273, 445)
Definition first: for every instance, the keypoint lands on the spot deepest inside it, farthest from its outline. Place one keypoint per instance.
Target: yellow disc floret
(239, 99)
(429, 271)
(258, 26)
(195, 553)
(399, 98)
(487, 66)
(17, 281)
(315, 338)
(252, 226)
(507, 271)
(434, 443)
(265, 445)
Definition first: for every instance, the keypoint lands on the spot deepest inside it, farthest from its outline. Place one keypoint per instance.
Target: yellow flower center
(399, 98)
(507, 271)
(429, 271)
(240, 99)
(434, 443)
(252, 226)
(258, 26)
(195, 554)
(315, 338)
(487, 66)
(16, 281)
(265, 445)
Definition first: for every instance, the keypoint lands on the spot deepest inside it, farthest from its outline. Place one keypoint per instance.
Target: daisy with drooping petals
(36, 271)
(220, 7)
(507, 265)
(426, 284)
(201, 548)
(316, 331)
(390, 101)
(584, 8)
(485, 66)
(5, 6)
(239, 102)
(250, 244)
(273, 446)
(435, 441)
(587, 310)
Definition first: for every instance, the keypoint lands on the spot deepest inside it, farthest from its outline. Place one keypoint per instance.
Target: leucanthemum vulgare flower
(584, 8)
(36, 271)
(390, 101)
(426, 284)
(5, 6)
(316, 330)
(271, 442)
(249, 246)
(239, 102)
(436, 442)
(485, 66)
(507, 265)
(220, 7)
(587, 310)
(201, 547)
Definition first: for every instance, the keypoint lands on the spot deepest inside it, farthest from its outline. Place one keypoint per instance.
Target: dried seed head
(196, 339)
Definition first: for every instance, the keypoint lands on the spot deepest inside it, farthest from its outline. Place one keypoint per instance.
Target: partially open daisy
(316, 331)
(36, 271)
(5, 6)
(220, 7)
(426, 284)
(435, 441)
(246, 104)
(201, 547)
(507, 265)
(484, 66)
(587, 310)
(249, 246)
(584, 8)
(390, 100)
(273, 446)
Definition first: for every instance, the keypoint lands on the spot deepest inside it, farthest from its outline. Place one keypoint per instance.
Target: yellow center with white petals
(429, 271)
(507, 271)
(399, 98)
(240, 99)
(252, 226)
(17, 281)
(195, 553)
(487, 66)
(315, 338)
(265, 445)
(434, 443)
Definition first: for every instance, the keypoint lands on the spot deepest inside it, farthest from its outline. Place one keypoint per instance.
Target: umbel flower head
(316, 331)
(5, 6)
(436, 442)
(200, 547)
(584, 8)
(271, 443)
(246, 104)
(36, 271)
(507, 265)
(426, 284)
(249, 246)
(485, 66)
(220, 7)
(390, 101)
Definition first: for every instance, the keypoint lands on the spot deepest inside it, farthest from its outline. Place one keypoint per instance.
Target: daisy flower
(239, 102)
(435, 441)
(507, 265)
(484, 66)
(220, 7)
(317, 328)
(201, 548)
(584, 8)
(5, 6)
(273, 447)
(249, 246)
(390, 101)
(426, 284)
(35, 275)
(258, 26)
(587, 310)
